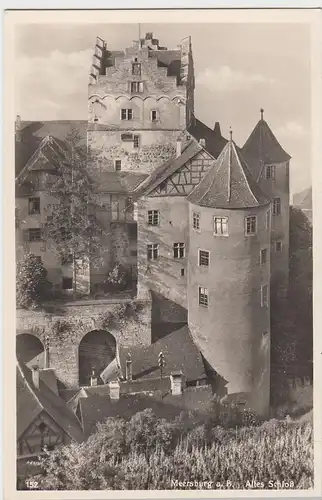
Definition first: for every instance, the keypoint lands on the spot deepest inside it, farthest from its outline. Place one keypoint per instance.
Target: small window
(195, 220)
(153, 251)
(35, 234)
(136, 87)
(268, 219)
(136, 141)
(203, 296)
(182, 272)
(264, 296)
(126, 114)
(153, 217)
(276, 206)
(67, 283)
(154, 115)
(178, 250)
(34, 206)
(278, 246)
(270, 171)
(264, 254)
(118, 165)
(221, 226)
(136, 69)
(204, 258)
(251, 225)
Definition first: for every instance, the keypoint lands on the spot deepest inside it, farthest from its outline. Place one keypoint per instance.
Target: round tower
(228, 279)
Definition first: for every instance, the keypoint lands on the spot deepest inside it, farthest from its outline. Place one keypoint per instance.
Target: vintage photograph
(163, 246)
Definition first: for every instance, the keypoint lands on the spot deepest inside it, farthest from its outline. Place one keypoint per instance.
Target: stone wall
(128, 321)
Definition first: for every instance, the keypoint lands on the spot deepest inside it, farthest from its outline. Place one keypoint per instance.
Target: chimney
(35, 376)
(128, 369)
(18, 128)
(176, 383)
(179, 144)
(202, 142)
(217, 129)
(93, 379)
(114, 390)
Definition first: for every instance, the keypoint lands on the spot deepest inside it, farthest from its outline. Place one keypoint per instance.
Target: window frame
(150, 217)
(222, 225)
(126, 114)
(136, 64)
(196, 217)
(264, 297)
(119, 163)
(270, 172)
(153, 252)
(263, 251)
(156, 115)
(32, 239)
(277, 202)
(251, 232)
(280, 243)
(32, 201)
(136, 87)
(268, 219)
(136, 141)
(179, 248)
(203, 296)
(206, 258)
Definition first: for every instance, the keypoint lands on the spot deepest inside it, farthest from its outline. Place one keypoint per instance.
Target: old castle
(202, 224)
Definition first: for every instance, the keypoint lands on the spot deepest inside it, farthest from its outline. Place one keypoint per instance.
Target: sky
(239, 68)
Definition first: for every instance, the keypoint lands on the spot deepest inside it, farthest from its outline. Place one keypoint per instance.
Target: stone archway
(96, 351)
(29, 350)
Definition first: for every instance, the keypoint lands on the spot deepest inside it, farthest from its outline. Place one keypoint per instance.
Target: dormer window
(136, 69)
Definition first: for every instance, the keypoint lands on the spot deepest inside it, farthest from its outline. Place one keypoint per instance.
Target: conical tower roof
(262, 148)
(229, 184)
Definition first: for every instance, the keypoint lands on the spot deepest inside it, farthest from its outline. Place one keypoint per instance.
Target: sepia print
(163, 242)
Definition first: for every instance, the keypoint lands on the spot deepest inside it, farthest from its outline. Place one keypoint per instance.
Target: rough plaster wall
(81, 320)
(227, 332)
(163, 275)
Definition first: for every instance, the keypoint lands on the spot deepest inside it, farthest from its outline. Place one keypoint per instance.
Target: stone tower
(140, 101)
(269, 164)
(229, 278)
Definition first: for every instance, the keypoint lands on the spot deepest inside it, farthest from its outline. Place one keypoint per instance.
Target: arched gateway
(96, 351)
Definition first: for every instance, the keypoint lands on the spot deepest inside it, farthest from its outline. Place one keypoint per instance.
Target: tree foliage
(32, 285)
(74, 230)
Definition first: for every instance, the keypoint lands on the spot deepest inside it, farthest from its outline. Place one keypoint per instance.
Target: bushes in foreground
(149, 453)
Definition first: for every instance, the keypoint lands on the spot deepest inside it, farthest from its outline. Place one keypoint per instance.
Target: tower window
(268, 219)
(118, 165)
(136, 69)
(136, 141)
(264, 296)
(276, 206)
(263, 256)
(182, 272)
(137, 87)
(270, 171)
(126, 114)
(153, 217)
(221, 226)
(251, 225)
(203, 296)
(153, 251)
(204, 258)
(195, 220)
(34, 206)
(154, 115)
(278, 246)
(67, 283)
(178, 250)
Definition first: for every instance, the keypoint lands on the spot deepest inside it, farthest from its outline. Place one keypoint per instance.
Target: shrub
(32, 285)
(117, 279)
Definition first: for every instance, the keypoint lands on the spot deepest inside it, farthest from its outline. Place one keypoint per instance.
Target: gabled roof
(303, 199)
(162, 172)
(43, 158)
(180, 353)
(215, 142)
(228, 184)
(31, 402)
(262, 148)
(30, 135)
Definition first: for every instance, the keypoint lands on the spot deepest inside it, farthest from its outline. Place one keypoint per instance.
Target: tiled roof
(162, 172)
(215, 142)
(96, 409)
(228, 184)
(30, 402)
(180, 354)
(303, 199)
(262, 148)
(32, 133)
(117, 182)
